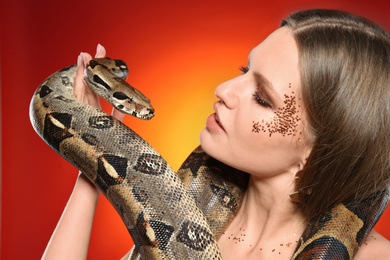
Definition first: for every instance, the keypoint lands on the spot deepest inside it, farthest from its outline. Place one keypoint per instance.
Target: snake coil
(168, 215)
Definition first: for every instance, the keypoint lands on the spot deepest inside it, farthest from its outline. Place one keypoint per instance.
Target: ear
(305, 154)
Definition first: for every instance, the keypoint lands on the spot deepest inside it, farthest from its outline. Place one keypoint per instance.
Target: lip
(213, 122)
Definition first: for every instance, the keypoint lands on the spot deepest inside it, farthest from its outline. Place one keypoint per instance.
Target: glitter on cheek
(284, 122)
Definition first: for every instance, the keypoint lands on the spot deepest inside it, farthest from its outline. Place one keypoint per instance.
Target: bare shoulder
(126, 256)
(374, 247)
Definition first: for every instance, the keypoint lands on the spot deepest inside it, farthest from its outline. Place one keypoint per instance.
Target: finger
(117, 114)
(86, 57)
(79, 87)
(82, 91)
(100, 51)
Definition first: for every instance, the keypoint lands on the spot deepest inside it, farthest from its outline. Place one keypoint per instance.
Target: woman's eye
(260, 100)
(244, 69)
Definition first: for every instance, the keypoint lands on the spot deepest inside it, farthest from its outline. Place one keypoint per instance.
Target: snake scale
(168, 215)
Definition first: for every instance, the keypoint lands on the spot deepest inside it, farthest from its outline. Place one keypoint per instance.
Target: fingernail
(99, 47)
(79, 60)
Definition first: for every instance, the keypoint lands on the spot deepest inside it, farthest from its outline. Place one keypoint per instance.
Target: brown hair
(345, 73)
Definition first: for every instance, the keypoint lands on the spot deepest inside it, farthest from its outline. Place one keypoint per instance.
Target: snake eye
(120, 64)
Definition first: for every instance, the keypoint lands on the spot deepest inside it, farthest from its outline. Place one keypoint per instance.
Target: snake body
(168, 215)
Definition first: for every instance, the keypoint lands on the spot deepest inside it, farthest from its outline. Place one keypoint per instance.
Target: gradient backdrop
(177, 51)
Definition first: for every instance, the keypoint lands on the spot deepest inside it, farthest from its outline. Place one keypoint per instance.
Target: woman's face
(259, 122)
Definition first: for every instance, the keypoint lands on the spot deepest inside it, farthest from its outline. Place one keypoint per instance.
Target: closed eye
(261, 101)
(256, 95)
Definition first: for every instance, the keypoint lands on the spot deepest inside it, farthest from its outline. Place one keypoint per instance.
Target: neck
(268, 205)
(268, 218)
(271, 195)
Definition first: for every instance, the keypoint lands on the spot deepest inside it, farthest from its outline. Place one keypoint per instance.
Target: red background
(177, 51)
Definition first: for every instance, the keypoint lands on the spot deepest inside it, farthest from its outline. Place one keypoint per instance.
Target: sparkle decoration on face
(284, 122)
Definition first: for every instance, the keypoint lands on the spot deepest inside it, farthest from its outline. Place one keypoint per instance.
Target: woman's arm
(70, 239)
(374, 247)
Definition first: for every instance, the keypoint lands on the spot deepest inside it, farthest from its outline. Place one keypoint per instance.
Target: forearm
(70, 239)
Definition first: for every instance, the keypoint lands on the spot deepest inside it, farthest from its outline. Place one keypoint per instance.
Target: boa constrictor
(168, 215)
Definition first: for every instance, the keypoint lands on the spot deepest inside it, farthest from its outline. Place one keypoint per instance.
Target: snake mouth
(145, 114)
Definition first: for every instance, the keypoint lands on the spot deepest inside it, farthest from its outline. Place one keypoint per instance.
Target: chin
(203, 140)
(215, 147)
(210, 146)
(207, 143)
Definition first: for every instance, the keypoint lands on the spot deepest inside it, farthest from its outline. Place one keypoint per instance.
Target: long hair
(344, 63)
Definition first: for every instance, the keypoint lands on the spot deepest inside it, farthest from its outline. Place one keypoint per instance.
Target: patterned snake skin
(168, 215)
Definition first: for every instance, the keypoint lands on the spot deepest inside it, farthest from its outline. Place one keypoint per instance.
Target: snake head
(106, 77)
(131, 101)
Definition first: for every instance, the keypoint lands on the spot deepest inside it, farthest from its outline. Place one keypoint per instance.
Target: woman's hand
(82, 90)
(70, 239)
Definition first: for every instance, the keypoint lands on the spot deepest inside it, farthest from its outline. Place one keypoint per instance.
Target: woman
(307, 119)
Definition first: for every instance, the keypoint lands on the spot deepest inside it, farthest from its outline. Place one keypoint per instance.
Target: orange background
(177, 51)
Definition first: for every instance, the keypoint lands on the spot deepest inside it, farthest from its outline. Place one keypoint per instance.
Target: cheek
(285, 120)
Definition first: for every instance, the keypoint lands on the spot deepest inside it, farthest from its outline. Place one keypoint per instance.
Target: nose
(228, 93)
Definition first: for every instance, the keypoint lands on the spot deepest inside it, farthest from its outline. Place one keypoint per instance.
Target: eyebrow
(264, 81)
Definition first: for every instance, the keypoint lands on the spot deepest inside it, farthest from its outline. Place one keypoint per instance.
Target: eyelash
(258, 99)
(244, 69)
